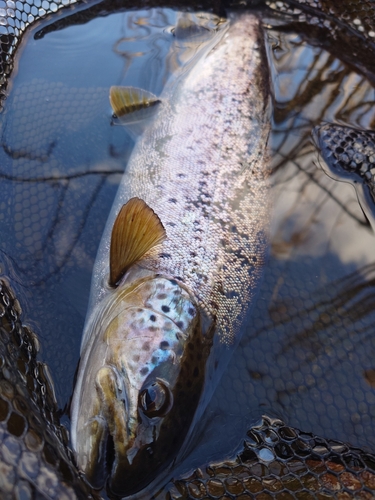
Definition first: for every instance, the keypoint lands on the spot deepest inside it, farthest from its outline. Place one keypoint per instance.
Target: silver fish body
(154, 346)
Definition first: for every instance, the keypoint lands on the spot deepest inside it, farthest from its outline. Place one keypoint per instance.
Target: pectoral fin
(137, 229)
(131, 104)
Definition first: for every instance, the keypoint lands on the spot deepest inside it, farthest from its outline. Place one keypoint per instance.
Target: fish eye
(155, 400)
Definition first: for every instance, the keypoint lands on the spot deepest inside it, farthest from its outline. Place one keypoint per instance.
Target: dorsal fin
(187, 30)
(136, 230)
(128, 102)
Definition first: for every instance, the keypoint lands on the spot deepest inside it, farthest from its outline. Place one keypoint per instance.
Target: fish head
(140, 386)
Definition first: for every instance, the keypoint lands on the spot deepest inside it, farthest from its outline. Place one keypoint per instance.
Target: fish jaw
(142, 383)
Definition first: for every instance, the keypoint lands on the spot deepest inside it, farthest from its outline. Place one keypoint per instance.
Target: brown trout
(178, 265)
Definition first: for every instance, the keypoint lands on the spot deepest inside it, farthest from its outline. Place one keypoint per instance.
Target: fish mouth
(110, 455)
(100, 455)
(122, 455)
(95, 456)
(104, 436)
(116, 459)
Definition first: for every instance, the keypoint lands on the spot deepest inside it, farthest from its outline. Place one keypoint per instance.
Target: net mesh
(350, 150)
(15, 18)
(348, 25)
(34, 459)
(277, 461)
(346, 29)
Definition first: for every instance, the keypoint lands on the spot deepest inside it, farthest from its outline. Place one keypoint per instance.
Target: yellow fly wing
(128, 102)
(136, 230)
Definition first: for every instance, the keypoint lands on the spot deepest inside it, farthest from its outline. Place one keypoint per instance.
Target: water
(62, 159)
(307, 355)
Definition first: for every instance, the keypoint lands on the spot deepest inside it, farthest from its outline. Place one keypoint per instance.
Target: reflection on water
(308, 353)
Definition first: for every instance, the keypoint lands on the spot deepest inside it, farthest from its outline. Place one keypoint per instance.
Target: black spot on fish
(146, 346)
(152, 317)
(172, 200)
(231, 294)
(165, 309)
(191, 311)
(164, 345)
(164, 255)
(154, 360)
(143, 371)
(173, 282)
(180, 324)
(214, 304)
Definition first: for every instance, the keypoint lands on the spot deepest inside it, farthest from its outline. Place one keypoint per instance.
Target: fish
(178, 266)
